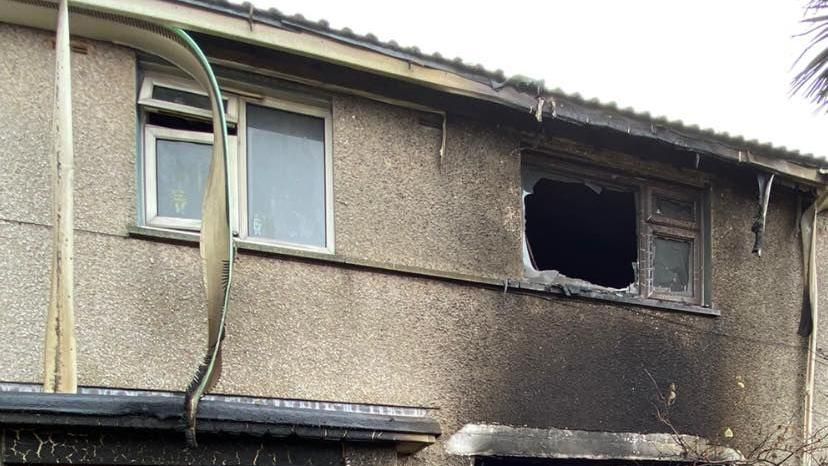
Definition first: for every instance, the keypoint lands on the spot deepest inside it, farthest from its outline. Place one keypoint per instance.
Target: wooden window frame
(655, 225)
(650, 224)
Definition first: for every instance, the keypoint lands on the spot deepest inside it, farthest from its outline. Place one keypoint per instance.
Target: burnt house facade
(435, 264)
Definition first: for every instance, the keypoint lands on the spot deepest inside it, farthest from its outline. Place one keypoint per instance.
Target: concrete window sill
(506, 285)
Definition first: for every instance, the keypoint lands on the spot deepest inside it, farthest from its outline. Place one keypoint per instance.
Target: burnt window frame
(650, 224)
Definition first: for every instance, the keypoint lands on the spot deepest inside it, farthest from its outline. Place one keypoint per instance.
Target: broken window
(605, 232)
(583, 230)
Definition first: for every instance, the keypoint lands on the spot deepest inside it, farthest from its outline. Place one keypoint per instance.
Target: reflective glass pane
(672, 266)
(674, 209)
(190, 99)
(285, 176)
(181, 170)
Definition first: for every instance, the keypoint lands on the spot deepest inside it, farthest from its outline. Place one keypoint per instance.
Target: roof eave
(210, 18)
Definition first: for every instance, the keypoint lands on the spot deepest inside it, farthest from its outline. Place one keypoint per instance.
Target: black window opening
(172, 121)
(583, 230)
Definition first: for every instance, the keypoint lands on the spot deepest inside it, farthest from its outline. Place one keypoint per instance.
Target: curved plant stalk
(177, 47)
(59, 353)
(216, 254)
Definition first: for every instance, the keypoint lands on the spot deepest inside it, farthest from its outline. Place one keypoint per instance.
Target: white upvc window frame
(151, 81)
(302, 109)
(151, 135)
(237, 151)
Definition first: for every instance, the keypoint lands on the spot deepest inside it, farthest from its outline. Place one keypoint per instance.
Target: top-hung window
(280, 152)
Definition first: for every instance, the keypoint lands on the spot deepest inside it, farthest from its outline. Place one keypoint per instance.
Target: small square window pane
(190, 99)
(286, 176)
(672, 266)
(181, 169)
(672, 208)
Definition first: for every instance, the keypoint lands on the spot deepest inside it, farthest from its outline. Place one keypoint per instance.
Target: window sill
(515, 285)
(620, 298)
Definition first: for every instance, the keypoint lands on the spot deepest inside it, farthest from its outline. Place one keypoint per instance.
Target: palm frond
(216, 245)
(812, 79)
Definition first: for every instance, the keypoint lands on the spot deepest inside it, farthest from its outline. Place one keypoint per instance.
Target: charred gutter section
(144, 427)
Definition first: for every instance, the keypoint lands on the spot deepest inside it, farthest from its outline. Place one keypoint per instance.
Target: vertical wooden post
(59, 361)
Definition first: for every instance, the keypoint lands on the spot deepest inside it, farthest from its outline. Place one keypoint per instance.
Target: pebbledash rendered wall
(315, 330)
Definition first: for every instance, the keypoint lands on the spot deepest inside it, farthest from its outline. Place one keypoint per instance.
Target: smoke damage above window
(581, 231)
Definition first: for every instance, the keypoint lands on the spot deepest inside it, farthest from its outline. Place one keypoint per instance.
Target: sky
(721, 64)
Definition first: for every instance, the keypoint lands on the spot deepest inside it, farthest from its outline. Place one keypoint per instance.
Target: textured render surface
(394, 202)
(103, 95)
(309, 330)
(24, 294)
(140, 313)
(27, 73)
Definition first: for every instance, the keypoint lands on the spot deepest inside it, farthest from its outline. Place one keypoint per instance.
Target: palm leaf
(812, 79)
(217, 252)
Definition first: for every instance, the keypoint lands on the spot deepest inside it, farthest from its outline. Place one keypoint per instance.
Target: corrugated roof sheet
(497, 78)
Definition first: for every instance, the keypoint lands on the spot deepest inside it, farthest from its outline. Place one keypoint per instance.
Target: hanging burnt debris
(765, 182)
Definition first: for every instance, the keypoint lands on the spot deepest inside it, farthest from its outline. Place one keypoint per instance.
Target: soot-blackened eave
(583, 230)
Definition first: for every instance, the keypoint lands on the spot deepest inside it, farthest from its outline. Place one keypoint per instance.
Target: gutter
(408, 429)
(291, 37)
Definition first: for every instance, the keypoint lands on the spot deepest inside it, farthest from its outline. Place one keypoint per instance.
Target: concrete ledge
(523, 442)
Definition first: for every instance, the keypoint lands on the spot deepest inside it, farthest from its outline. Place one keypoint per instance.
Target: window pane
(674, 209)
(672, 266)
(285, 176)
(190, 99)
(181, 170)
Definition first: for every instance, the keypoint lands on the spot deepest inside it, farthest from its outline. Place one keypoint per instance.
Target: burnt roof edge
(226, 415)
(302, 37)
(804, 167)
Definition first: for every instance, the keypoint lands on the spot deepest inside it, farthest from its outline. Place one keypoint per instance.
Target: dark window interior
(188, 124)
(178, 96)
(583, 233)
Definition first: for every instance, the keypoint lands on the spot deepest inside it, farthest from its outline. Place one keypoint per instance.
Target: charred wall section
(315, 330)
